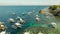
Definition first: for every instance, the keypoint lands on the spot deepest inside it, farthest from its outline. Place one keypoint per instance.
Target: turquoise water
(6, 13)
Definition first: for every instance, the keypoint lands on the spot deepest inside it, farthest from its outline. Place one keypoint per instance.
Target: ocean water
(6, 12)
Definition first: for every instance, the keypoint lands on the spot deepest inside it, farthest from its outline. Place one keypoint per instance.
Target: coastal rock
(41, 12)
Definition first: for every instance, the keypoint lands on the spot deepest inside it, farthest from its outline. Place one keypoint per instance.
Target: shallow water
(6, 12)
(30, 24)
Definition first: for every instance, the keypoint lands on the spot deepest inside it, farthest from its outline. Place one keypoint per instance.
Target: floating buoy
(11, 20)
(40, 33)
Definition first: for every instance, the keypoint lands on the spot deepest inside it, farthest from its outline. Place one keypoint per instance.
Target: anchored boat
(2, 28)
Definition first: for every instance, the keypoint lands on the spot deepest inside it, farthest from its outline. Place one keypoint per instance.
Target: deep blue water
(6, 13)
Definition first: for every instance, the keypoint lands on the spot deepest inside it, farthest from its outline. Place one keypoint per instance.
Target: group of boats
(15, 26)
(20, 22)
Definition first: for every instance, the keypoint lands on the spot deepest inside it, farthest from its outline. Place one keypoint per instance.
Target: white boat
(37, 19)
(11, 20)
(2, 28)
(3, 32)
(16, 25)
(53, 24)
(20, 20)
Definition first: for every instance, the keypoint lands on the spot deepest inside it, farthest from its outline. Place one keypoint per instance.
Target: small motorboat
(37, 18)
(11, 20)
(53, 25)
(2, 28)
(16, 25)
(20, 20)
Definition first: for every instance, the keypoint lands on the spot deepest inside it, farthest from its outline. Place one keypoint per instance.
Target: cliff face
(55, 10)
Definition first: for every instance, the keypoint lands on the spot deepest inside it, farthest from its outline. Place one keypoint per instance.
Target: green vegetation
(54, 7)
